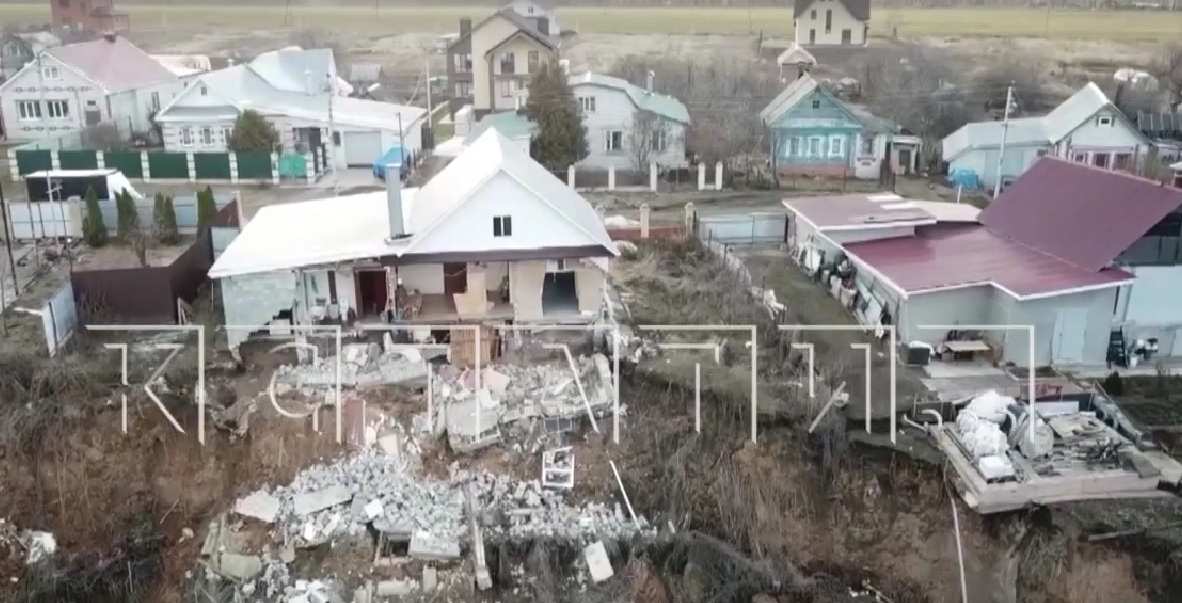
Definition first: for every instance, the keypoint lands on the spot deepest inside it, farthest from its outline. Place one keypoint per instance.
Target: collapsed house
(492, 237)
(1075, 447)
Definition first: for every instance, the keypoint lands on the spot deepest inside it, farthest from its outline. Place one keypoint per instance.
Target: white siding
(28, 85)
(813, 19)
(615, 111)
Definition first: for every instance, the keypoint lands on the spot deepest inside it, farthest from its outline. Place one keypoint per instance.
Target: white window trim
(836, 145)
(51, 72)
(206, 136)
(28, 110)
(607, 141)
(186, 136)
(500, 221)
(61, 103)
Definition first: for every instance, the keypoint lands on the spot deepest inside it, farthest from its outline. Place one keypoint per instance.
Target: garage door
(362, 148)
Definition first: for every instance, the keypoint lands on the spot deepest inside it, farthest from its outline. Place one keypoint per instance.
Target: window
(660, 140)
(1123, 162)
(1104, 120)
(535, 59)
(502, 226)
(226, 134)
(815, 145)
(812, 36)
(91, 104)
(1080, 157)
(868, 145)
(207, 136)
(613, 140)
(813, 14)
(506, 88)
(204, 90)
(506, 63)
(28, 110)
(51, 73)
(1041, 153)
(801, 147)
(57, 109)
(1100, 160)
(793, 147)
(186, 136)
(463, 88)
(587, 104)
(462, 62)
(836, 146)
(154, 103)
(816, 103)
(828, 21)
(847, 36)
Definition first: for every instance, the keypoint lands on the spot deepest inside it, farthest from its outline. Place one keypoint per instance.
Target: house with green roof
(629, 126)
(813, 132)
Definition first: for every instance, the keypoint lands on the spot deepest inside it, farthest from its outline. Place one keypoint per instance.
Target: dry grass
(361, 17)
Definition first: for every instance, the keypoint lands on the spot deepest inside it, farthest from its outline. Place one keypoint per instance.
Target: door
(812, 36)
(1071, 326)
(362, 148)
(455, 278)
(905, 161)
(371, 292)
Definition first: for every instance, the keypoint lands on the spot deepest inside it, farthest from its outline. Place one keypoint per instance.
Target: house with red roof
(104, 81)
(1075, 250)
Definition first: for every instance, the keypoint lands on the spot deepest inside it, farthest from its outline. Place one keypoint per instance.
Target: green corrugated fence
(211, 166)
(128, 162)
(28, 162)
(173, 166)
(78, 160)
(293, 166)
(254, 165)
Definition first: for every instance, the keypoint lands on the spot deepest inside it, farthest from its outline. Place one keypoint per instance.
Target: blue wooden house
(812, 132)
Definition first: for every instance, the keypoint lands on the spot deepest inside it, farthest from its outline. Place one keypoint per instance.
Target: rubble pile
(523, 510)
(362, 365)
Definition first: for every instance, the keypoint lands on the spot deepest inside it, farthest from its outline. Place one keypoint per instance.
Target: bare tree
(1168, 70)
(649, 136)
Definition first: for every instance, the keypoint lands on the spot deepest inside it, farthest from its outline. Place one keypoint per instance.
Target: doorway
(905, 161)
(455, 278)
(559, 294)
(372, 292)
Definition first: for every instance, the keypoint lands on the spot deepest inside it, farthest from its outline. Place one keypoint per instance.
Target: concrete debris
(259, 505)
(427, 546)
(40, 545)
(310, 502)
(362, 365)
(373, 509)
(314, 591)
(598, 563)
(430, 579)
(238, 567)
(558, 468)
(473, 423)
(395, 588)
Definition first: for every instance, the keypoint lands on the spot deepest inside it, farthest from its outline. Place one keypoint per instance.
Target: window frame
(506, 88)
(613, 141)
(502, 226)
(836, 145)
(506, 59)
(206, 135)
(27, 108)
(51, 72)
(186, 136)
(660, 141)
(59, 103)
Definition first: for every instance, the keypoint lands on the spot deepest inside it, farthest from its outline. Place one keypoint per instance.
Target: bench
(964, 349)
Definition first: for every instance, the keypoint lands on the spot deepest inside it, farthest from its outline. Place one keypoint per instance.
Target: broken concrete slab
(598, 563)
(426, 546)
(395, 588)
(496, 381)
(238, 567)
(373, 509)
(310, 502)
(430, 579)
(259, 505)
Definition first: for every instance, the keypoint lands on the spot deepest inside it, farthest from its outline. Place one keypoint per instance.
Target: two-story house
(812, 132)
(1086, 128)
(105, 81)
(97, 16)
(299, 93)
(490, 64)
(629, 127)
(831, 22)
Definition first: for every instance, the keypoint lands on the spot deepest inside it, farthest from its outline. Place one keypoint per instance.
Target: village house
(831, 22)
(1088, 256)
(1086, 128)
(1164, 131)
(105, 81)
(18, 49)
(493, 236)
(97, 16)
(490, 65)
(812, 132)
(299, 92)
(628, 126)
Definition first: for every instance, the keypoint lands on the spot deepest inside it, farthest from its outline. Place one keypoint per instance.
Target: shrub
(164, 219)
(129, 220)
(94, 231)
(207, 209)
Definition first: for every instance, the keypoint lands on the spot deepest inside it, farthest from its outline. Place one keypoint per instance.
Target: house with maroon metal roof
(1074, 250)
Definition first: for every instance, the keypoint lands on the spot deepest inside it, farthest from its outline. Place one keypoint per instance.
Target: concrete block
(311, 502)
(395, 588)
(597, 562)
(259, 505)
(239, 567)
(424, 545)
(430, 579)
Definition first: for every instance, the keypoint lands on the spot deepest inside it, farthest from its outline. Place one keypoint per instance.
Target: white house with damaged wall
(297, 91)
(493, 236)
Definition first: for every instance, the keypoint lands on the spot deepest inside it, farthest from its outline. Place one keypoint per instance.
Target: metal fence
(752, 228)
(51, 219)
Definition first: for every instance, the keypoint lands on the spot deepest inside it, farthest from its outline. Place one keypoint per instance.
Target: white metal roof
(116, 181)
(791, 94)
(352, 227)
(653, 102)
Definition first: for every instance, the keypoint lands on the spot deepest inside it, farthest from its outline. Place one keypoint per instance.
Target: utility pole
(1005, 128)
(430, 113)
(332, 132)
